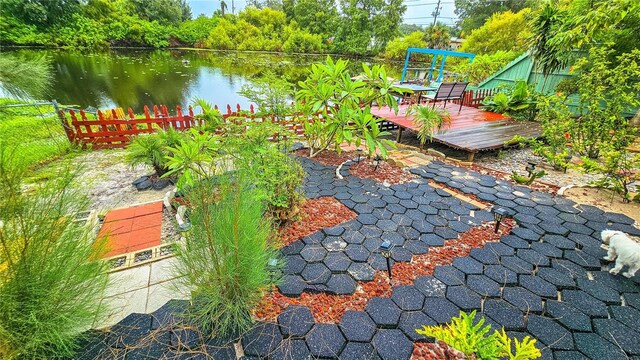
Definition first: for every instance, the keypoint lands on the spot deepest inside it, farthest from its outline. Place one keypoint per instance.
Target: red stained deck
(471, 129)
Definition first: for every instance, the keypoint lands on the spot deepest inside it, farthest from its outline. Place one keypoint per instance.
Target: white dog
(624, 250)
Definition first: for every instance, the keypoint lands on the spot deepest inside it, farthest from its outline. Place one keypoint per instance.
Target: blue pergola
(437, 54)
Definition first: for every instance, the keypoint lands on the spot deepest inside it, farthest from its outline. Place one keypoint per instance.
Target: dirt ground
(605, 200)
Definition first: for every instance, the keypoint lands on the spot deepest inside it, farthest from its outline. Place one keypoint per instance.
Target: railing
(114, 129)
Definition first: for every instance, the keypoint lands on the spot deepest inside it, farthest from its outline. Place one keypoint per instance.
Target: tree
(503, 31)
(42, 13)
(397, 48)
(474, 13)
(163, 11)
(367, 26)
(261, 4)
(406, 29)
(437, 36)
(316, 16)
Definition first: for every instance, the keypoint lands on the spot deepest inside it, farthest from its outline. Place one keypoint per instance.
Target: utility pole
(436, 13)
(233, 7)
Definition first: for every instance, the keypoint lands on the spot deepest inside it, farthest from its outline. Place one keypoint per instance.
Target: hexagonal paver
(468, 265)
(432, 239)
(316, 273)
(313, 253)
(504, 314)
(440, 309)
(550, 332)
(289, 350)
(337, 262)
(595, 347)
(561, 279)
(538, 286)
(501, 275)
(392, 344)
(430, 286)
(342, 284)
(292, 285)
(387, 225)
(569, 316)
(407, 298)
(334, 243)
(357, 326)
(626, 315)
(129, 330)
(325, 340)
(361, 271)
(485, 256)
(410, 321)
(295, 320)
(585, 303)
(294, 264)
(483, 285)
(619, 334)
(523, 299)
(449, 275)
(383, 311)
(416, 247)
(533, 257)
(516, 264)
(359, 351)
(599, 291)
(464, 298)
(262, 340)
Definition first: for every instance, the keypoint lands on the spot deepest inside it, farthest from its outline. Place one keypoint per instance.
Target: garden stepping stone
(357, 326)
(130, 330)
(292, 285)
(523, 299)
(294, 264)
(468, 266)
(407, 298)
(316, 273)
(383, 311)
(595, 347)
(619, 334)
(290, 350)
(504, 314)
(361, 271)
(337, 262)
(464, 297)
(549, 332)
(325, 341)
(392, 344)
(585, 303)
(412, 320)
(341, 284)
(313, 253)
(430, 286)
(626, 315)
(449, 275)
(483, 285)
(359, 351)
(569, 316)
(262, 340)
(501, 275)
(538, 286)
(440, 309)
(295, 320)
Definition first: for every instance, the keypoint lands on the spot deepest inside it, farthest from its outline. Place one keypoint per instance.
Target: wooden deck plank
(470, 129)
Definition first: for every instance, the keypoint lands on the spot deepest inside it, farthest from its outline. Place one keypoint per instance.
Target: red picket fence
(107, 132)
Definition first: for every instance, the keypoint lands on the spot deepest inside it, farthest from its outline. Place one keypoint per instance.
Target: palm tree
(429, 120)
(223, 7)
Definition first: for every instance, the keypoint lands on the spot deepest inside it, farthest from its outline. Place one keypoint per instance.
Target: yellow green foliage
(471, 337)
(502, 31)
(397, 48)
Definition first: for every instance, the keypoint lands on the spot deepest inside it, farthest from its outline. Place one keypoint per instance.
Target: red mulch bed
(328, 157)
(316, 214)
(385, 172)
(328, 308)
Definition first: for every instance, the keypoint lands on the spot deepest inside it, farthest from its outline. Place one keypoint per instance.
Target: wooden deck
(471, 129)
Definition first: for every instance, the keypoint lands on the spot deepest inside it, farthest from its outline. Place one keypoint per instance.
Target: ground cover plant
(473, 338)
(51, 278)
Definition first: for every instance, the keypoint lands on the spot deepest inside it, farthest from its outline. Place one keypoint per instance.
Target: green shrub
(519, 101)
(472, 338)
(225, 258)
(300, 41)
(429, 120)
(51, 281)
(397, 48)
(194, 32)
(154, 149)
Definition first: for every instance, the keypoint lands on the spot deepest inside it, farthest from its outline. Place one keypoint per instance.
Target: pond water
(134, 78)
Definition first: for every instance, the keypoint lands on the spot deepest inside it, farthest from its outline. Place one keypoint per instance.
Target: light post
(359, 151)
(376, 161)
(531, 167)
(499, 214)
(385, 251)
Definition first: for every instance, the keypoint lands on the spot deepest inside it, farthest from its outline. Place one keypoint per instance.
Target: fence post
(63, 121)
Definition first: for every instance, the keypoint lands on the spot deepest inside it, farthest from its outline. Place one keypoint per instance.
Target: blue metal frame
(435, 53)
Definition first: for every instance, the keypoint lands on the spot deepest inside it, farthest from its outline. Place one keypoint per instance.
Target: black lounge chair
(449, 92)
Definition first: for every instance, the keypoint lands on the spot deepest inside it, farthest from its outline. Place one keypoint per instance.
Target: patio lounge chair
(449, 92)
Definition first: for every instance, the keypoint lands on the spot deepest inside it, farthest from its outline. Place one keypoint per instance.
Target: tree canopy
(474, 13)
(502, 31)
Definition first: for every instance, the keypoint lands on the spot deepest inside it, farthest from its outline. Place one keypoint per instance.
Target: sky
(418, 12)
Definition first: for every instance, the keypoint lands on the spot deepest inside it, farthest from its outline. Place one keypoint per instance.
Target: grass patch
(35, 133)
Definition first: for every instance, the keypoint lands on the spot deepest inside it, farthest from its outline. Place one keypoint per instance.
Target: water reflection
(134, 78)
